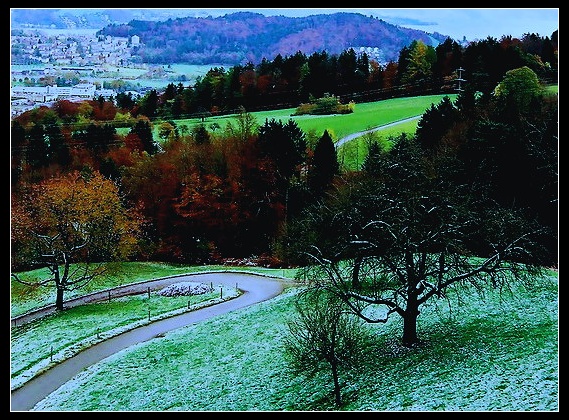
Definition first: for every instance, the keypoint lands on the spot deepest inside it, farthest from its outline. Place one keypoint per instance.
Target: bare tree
(324, 334)
(392, 245)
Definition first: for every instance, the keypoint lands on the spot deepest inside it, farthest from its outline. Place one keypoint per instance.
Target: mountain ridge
(243, 37)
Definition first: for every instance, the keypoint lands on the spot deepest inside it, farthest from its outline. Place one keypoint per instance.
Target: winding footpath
(353, 136)
(256, 288)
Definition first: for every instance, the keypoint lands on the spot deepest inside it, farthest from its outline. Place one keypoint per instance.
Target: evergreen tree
(149, 104)
(143, 130)
(372, 161)
(324, 165)
(17, 148)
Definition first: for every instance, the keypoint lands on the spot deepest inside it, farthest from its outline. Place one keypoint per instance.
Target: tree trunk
(59, 288)
(59, 299)
(337, 391)
(410, 325)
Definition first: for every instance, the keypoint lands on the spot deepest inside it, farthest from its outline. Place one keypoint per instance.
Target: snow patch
(186, 289)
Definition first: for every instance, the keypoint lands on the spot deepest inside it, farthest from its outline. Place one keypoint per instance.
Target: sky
(472, 23)
(458, 23)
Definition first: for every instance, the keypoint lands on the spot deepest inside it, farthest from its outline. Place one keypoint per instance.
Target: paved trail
(361, 133)
(255, 289)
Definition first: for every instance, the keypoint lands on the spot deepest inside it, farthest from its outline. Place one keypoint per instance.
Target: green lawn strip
(552, 89)
(63, 334)
(499, 353)
(25, 299)
(365, 116)
(352, 154)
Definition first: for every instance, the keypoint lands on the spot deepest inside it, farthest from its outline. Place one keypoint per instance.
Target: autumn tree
(245, 126)
(72, 225)
(167, 130)
(418, 71)
(154, 182)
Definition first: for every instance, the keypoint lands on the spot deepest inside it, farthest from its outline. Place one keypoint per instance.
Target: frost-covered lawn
(481, 355)
(37, 345)
(24, 299)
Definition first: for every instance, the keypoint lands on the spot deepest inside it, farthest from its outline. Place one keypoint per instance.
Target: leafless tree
(393, 244)
(324, 334)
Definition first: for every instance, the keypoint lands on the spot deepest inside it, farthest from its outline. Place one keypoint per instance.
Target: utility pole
(459, 79)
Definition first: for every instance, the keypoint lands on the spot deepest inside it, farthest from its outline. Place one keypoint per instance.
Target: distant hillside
(243, 37)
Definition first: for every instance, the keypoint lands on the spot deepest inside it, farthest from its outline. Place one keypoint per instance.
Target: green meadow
(365, 116)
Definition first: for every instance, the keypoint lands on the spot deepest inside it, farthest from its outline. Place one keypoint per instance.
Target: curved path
(255, 288)
(346, 139)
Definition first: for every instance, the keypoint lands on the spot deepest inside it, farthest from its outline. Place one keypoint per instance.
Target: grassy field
(25, 299)
(88, 324)
(365, 116)
(497, 353)
(352, 154)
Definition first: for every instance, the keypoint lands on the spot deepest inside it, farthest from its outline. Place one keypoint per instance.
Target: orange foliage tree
(72, 225)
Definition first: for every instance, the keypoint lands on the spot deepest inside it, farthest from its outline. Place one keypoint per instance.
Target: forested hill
(243, 37)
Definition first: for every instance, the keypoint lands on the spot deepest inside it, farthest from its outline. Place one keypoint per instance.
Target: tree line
(290, 80)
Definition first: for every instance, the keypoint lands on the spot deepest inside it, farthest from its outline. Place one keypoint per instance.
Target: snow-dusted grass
(64, 334)
(496, 354)
(24, 298)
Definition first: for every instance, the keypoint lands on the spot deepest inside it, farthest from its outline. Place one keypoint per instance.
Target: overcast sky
(471, 23)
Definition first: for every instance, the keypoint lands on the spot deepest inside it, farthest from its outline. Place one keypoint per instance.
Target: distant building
(135, 40)
(51, 93)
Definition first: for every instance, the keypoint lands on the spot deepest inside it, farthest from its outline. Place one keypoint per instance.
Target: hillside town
(34, 47)
(42, 64)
